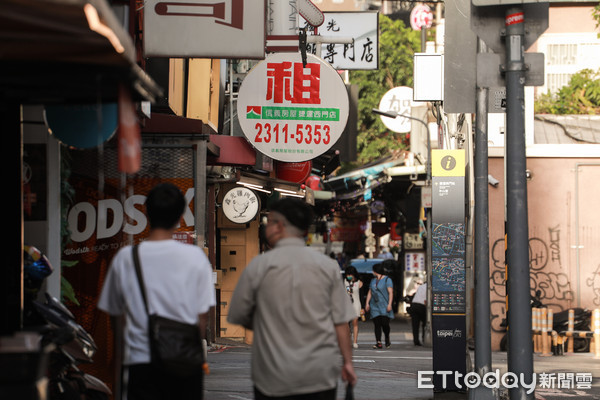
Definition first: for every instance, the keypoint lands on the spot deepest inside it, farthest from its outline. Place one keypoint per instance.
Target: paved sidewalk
(392, 373)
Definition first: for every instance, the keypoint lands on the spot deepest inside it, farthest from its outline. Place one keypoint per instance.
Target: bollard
(535, 329)
(571, 325)
(596, 329)
(544, 335)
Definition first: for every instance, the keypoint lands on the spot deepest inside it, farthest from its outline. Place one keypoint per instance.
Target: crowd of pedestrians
(304, 318)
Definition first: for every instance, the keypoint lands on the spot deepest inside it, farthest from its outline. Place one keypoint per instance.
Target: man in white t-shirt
(418, 313)
(178, 279)
(294, 299)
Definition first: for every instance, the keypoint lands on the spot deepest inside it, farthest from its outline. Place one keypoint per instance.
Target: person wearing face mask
(293, 299)
(379, 304)
(353, 285)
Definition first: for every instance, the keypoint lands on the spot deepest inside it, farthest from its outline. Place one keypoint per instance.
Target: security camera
(493, 181)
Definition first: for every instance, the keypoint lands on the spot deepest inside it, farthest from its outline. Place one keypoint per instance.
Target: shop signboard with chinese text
(290, 111)
(362, 27)
(400, 101)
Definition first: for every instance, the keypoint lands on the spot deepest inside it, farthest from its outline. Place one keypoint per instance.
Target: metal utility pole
(520, 348)
(481, 305)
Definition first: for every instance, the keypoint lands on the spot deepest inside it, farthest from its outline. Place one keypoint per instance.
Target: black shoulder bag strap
(138, 272)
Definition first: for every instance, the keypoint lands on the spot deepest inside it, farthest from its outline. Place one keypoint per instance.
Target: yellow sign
(448, 163)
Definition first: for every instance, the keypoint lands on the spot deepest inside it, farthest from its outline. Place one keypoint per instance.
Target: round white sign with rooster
(240, 205)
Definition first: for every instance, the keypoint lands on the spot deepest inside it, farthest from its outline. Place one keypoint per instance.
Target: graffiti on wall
(545, 276)
(594, 283)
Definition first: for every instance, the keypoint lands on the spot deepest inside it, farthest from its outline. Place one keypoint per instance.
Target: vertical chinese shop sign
(448, 277)
(291, 111)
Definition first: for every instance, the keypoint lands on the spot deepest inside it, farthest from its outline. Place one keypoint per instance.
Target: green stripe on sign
(301, 113)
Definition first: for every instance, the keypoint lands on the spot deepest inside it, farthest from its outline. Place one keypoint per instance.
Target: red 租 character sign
(291, 111)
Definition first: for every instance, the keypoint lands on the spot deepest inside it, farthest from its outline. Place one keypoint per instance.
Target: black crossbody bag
(175, 347)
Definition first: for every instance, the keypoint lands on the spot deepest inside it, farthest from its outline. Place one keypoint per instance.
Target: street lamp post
(394, 114)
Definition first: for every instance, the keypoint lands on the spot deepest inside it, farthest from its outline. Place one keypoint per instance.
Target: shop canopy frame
(67, 51)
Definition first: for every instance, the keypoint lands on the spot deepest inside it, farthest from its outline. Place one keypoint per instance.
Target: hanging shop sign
(296, 172)
(290, 111)
(184, 28)
(414, 261)
(399, 100)
(421, 17)
(362, 27)
(240, 205)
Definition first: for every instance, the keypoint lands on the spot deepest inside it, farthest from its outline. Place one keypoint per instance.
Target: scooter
(560, 323)
(582, 318)
(71, 345)
(535, 302)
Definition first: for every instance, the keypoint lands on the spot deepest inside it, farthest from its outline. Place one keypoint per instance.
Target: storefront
(54, 52)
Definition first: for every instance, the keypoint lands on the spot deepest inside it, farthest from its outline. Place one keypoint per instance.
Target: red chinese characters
(291, 82)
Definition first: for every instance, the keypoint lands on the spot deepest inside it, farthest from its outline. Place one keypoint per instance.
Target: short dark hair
(164, 206)
(350, 270)
(378, 268)
(296, 211)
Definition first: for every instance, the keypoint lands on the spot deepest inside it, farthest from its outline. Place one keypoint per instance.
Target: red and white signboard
(296, 172)
(421, 17)
(291, 112)
(205, 28)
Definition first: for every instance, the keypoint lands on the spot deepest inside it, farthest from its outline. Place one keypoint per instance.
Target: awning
(357, 182)
(67, 51)
(326, 163)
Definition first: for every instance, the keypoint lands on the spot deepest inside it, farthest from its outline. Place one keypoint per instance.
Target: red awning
(235, 150)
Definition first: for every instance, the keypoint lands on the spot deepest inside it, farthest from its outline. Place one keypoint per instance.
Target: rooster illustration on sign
(240, 205)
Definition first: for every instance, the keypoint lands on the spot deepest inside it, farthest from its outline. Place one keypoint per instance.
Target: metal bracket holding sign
(282, 23)
(349, 40)
(490, 70)
(489, 24)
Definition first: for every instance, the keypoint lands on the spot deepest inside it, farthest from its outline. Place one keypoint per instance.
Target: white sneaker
(355, 345)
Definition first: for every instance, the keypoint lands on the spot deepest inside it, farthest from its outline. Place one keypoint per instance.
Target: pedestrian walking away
(353, 285)
(178, 285)
(293, 299)
(385, 254)
(418, 313)
(379, 304)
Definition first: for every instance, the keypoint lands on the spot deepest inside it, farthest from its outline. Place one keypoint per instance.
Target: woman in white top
(353, 285)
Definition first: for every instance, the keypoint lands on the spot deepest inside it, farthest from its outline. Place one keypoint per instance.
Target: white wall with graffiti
(564, 235)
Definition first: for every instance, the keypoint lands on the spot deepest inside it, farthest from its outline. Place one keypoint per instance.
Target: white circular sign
(240, 205)
(290, 112)
(399, 100)
(421, 17)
